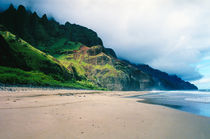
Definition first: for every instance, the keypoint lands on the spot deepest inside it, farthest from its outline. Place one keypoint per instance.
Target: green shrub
(16, 76)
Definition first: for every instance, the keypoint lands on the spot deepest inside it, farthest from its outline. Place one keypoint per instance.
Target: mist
(170, 35)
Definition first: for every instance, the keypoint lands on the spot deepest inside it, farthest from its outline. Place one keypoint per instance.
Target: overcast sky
(170, 35)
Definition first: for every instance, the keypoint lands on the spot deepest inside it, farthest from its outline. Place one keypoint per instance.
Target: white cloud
(170, 35)
(203, 83)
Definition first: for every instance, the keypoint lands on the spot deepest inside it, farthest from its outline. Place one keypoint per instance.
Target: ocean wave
(190, 92)
(201, 99)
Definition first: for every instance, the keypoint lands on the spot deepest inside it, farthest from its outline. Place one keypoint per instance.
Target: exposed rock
(95, 50)
(163, 81)
(109, 72)
(110, 52)
(81, 51)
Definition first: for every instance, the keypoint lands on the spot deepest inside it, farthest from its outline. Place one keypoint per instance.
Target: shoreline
(91, 114)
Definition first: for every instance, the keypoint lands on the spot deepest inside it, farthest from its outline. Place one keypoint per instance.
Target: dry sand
(80, 114)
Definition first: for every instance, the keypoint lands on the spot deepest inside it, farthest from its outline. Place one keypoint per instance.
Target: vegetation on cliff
(21, 63)
(166, 81)
(105, 70)
(42, 32)
(40, 51)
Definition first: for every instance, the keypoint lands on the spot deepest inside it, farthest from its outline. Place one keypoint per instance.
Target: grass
(16, 76)
(81, 66)
(67, 60)
(102, 67)
(34, 67)
(31, 59)
(31, 54)
(62, 45)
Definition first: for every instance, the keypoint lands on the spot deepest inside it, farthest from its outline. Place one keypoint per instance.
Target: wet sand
(81, 114)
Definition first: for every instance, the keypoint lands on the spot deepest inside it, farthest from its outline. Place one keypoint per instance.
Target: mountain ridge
(166, 81)
(81, 52)
(21, 63)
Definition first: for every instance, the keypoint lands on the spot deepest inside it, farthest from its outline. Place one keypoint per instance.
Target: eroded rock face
(101, 59)
(164, 81)
(111, 73)
(110, 52)
(95, 50)
(80, 50)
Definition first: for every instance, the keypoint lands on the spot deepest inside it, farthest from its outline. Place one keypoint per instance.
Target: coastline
(64, 113)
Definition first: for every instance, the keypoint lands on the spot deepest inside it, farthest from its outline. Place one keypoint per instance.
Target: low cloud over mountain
(171, 35)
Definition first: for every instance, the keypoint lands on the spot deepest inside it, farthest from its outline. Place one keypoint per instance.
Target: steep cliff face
(105, 70)
(42, 32)
(71, 51)
(21, 63)
(16, 53)
(165, 81)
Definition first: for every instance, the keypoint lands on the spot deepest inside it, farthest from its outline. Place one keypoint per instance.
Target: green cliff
(66, 55)
(21, 63)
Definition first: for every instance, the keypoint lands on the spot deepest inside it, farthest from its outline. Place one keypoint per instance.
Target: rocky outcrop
(110, 52)
(80, 50)
(109, 72)
(164, 81)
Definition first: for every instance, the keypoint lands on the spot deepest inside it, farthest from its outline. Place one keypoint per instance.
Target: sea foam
(201, 99)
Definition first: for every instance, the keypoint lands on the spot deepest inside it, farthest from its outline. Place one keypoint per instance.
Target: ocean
(196, 102)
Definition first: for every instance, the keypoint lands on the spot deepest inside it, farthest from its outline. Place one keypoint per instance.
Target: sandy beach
(86, 114)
